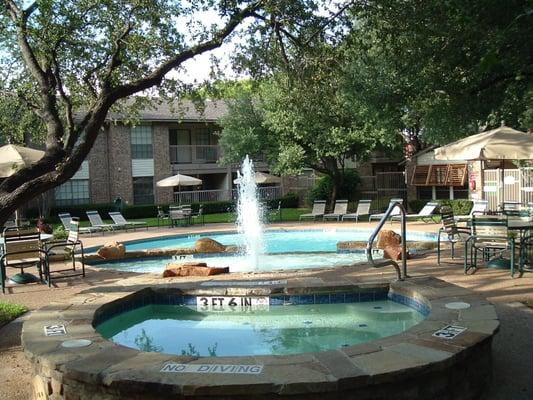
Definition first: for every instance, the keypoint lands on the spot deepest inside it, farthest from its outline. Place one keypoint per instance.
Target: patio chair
(363, 208)
(161, 216)
(511, 207)
(490, 236)
(119, 219)
(478, 208)
(66, 250)
(525, 263)
(179, 214)
(96, 222)
(449, 229)
(426, 214)
(198, 216)
(22, 249)
(319, 208)
(65, 219)
(340, 210)
(530, 208)
(395, 211)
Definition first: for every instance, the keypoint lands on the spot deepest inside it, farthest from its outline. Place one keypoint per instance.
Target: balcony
(202, 196)
(194, 154)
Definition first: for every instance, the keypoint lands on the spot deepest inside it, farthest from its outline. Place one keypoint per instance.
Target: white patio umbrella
(13, 158)
(179, 180)
(502, 144)
(262, 178)
(497, 144)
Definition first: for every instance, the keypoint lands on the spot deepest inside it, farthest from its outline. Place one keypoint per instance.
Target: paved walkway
(512, 350)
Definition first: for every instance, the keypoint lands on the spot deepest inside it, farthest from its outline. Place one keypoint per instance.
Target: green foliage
(416, 205)
(324, 187)
(459, 207)
(10, 311)
(60, 233)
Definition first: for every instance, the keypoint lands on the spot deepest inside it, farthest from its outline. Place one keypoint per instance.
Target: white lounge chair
(479, 208)
(319, 208)
(426, 214)
(341, 209)
(119, 219)
(363, 208)
(395, 211)
(96, 222)
(65, 220)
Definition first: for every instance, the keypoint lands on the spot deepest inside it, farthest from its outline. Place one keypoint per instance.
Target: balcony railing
(194, 154)
(202, 196)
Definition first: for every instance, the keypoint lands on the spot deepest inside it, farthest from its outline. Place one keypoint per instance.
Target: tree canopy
(72, 61)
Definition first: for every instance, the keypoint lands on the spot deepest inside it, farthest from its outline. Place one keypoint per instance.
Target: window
(143, 190)
(75, 191)
(141, 142)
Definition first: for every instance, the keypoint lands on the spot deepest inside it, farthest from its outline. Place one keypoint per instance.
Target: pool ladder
(402, 274)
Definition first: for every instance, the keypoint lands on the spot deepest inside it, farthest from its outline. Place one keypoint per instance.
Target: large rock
(391, 244)
(111, 251)
(192, 269)
(388, 238)
(207, 245)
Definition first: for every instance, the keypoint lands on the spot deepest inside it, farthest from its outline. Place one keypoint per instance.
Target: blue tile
(352, 297)
(380, 295)
(189, 300)
(322, 299)
(366, 296)
(336, 298)
(303, 299)
(277, 300)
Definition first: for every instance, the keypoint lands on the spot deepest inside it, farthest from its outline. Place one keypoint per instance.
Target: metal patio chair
(340, 210)
(453, 233)
(318, 211)
(363, 208)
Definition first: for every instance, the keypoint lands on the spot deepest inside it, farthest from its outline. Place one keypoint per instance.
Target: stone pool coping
(116, 371)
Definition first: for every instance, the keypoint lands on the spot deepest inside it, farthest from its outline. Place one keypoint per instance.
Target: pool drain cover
(75, 343)
(457, 305)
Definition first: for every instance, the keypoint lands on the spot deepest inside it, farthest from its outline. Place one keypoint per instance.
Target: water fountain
(249, 214)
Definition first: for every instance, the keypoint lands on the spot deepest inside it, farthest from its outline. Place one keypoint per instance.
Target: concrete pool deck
(511, 348)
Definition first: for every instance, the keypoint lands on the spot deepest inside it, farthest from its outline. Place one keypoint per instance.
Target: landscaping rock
(192, 269)
(388, 238)
(207, 245)
(111, 251)
(350, 245)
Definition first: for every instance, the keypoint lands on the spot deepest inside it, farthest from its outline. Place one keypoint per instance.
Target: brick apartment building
(127, 161)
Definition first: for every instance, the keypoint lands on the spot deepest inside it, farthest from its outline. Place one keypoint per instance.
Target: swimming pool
(276, 241)
(275, 330)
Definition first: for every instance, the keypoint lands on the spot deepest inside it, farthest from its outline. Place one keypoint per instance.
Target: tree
(72, 61)
(436, 71)
(300, 119)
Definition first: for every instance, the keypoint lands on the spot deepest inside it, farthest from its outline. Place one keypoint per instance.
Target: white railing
(194, 154)
(203, 196)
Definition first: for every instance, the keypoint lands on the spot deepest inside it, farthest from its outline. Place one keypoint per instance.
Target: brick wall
(119, 147)
(99, 170)
(162, 168)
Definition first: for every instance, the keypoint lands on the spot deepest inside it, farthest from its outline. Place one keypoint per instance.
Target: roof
(183, 111)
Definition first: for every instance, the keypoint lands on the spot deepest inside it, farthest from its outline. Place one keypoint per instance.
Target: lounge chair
(363, 208)
(22, 249)
(96, 222)
(511, 207)
(67, 251)
(395, 211)
(479, 208)
(340, 210)
(426, 214)
(162, 216)
(119, 219)
(65, 220)
(319, 208)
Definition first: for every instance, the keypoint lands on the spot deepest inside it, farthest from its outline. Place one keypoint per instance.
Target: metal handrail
(374, 234)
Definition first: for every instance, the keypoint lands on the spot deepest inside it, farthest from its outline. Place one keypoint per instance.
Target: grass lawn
(288, 214)
(10, 311)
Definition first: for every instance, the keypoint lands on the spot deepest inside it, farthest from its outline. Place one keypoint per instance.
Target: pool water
(267, 262)
(278, 330)
(276, 241)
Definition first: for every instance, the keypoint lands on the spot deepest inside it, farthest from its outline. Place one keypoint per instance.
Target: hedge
(150, 210)
(459, 206)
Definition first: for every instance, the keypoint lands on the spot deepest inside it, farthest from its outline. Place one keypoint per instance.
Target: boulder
(192, 269)
(388, 238)
(111, 251)
(207, 245)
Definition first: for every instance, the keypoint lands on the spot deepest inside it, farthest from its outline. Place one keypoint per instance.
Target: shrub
(324, 187)
(459, 207)
(290, 200)
(416, 205)
(60, 233)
